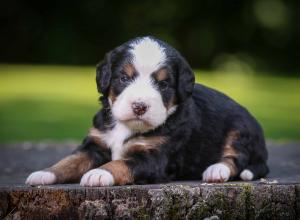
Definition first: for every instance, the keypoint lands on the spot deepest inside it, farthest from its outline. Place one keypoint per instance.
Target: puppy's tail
(254, 172)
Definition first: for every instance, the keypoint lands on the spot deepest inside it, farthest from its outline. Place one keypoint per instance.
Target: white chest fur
(115, 139)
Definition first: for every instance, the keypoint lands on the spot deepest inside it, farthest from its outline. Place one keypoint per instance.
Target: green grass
(58, 102)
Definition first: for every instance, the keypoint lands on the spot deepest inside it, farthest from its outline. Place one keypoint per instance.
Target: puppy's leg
(227, 167)
(71, 168)
(68, 169)
(143, 162)
(122, 172)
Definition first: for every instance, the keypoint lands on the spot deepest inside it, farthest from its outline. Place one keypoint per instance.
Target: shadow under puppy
(157, 125)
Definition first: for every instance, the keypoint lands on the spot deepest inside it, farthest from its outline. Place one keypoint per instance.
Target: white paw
(246, 175)
(97, 177)
(216, 173)
(41, 178)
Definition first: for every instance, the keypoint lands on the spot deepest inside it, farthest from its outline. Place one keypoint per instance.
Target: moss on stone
(171, 201)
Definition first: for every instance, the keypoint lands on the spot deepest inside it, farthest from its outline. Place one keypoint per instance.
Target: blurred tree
(263, 34)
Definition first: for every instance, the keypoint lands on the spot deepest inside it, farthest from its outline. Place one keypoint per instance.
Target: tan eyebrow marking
(129, 69)
(161, 74)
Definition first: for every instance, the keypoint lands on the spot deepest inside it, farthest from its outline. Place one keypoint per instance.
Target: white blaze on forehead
(148, 55)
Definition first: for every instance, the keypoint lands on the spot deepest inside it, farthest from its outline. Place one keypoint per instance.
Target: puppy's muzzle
(139, 108)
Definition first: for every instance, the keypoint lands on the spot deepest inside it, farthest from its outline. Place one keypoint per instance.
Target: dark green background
(264, 33)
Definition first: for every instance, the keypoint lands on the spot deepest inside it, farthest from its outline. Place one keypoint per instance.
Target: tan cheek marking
(144, 144)
(172, 102)
(120, 171)
(229, 153)
(129, 70)
(161, 74)
(71, 168)
(112, 96)
(96, 136)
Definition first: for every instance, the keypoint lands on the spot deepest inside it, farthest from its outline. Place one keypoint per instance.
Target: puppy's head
(144, 80)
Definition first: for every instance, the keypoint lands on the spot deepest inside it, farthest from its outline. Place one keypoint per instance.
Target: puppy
(157, 125)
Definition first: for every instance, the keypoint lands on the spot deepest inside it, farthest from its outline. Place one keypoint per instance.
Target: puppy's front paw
(216, 173)
(41, 178)
(97, 177)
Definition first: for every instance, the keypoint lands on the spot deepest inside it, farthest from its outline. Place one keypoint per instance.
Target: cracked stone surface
(262, 199)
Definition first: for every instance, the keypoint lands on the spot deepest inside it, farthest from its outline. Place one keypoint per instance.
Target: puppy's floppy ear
(186, 80)
(103, 74)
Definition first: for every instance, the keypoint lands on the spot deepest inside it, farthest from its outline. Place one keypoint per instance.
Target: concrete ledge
(191, 200)
(278, 198)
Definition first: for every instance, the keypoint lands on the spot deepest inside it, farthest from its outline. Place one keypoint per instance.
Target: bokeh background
(247, 49)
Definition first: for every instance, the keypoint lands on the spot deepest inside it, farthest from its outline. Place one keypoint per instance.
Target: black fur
(196, 132)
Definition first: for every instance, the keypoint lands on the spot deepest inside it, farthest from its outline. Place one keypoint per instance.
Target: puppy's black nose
(139, 108)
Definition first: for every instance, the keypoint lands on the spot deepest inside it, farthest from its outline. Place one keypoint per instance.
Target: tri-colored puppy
(157, 125)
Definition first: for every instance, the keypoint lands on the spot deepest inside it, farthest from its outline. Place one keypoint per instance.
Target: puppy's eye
(124, 79)
(163, 85)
